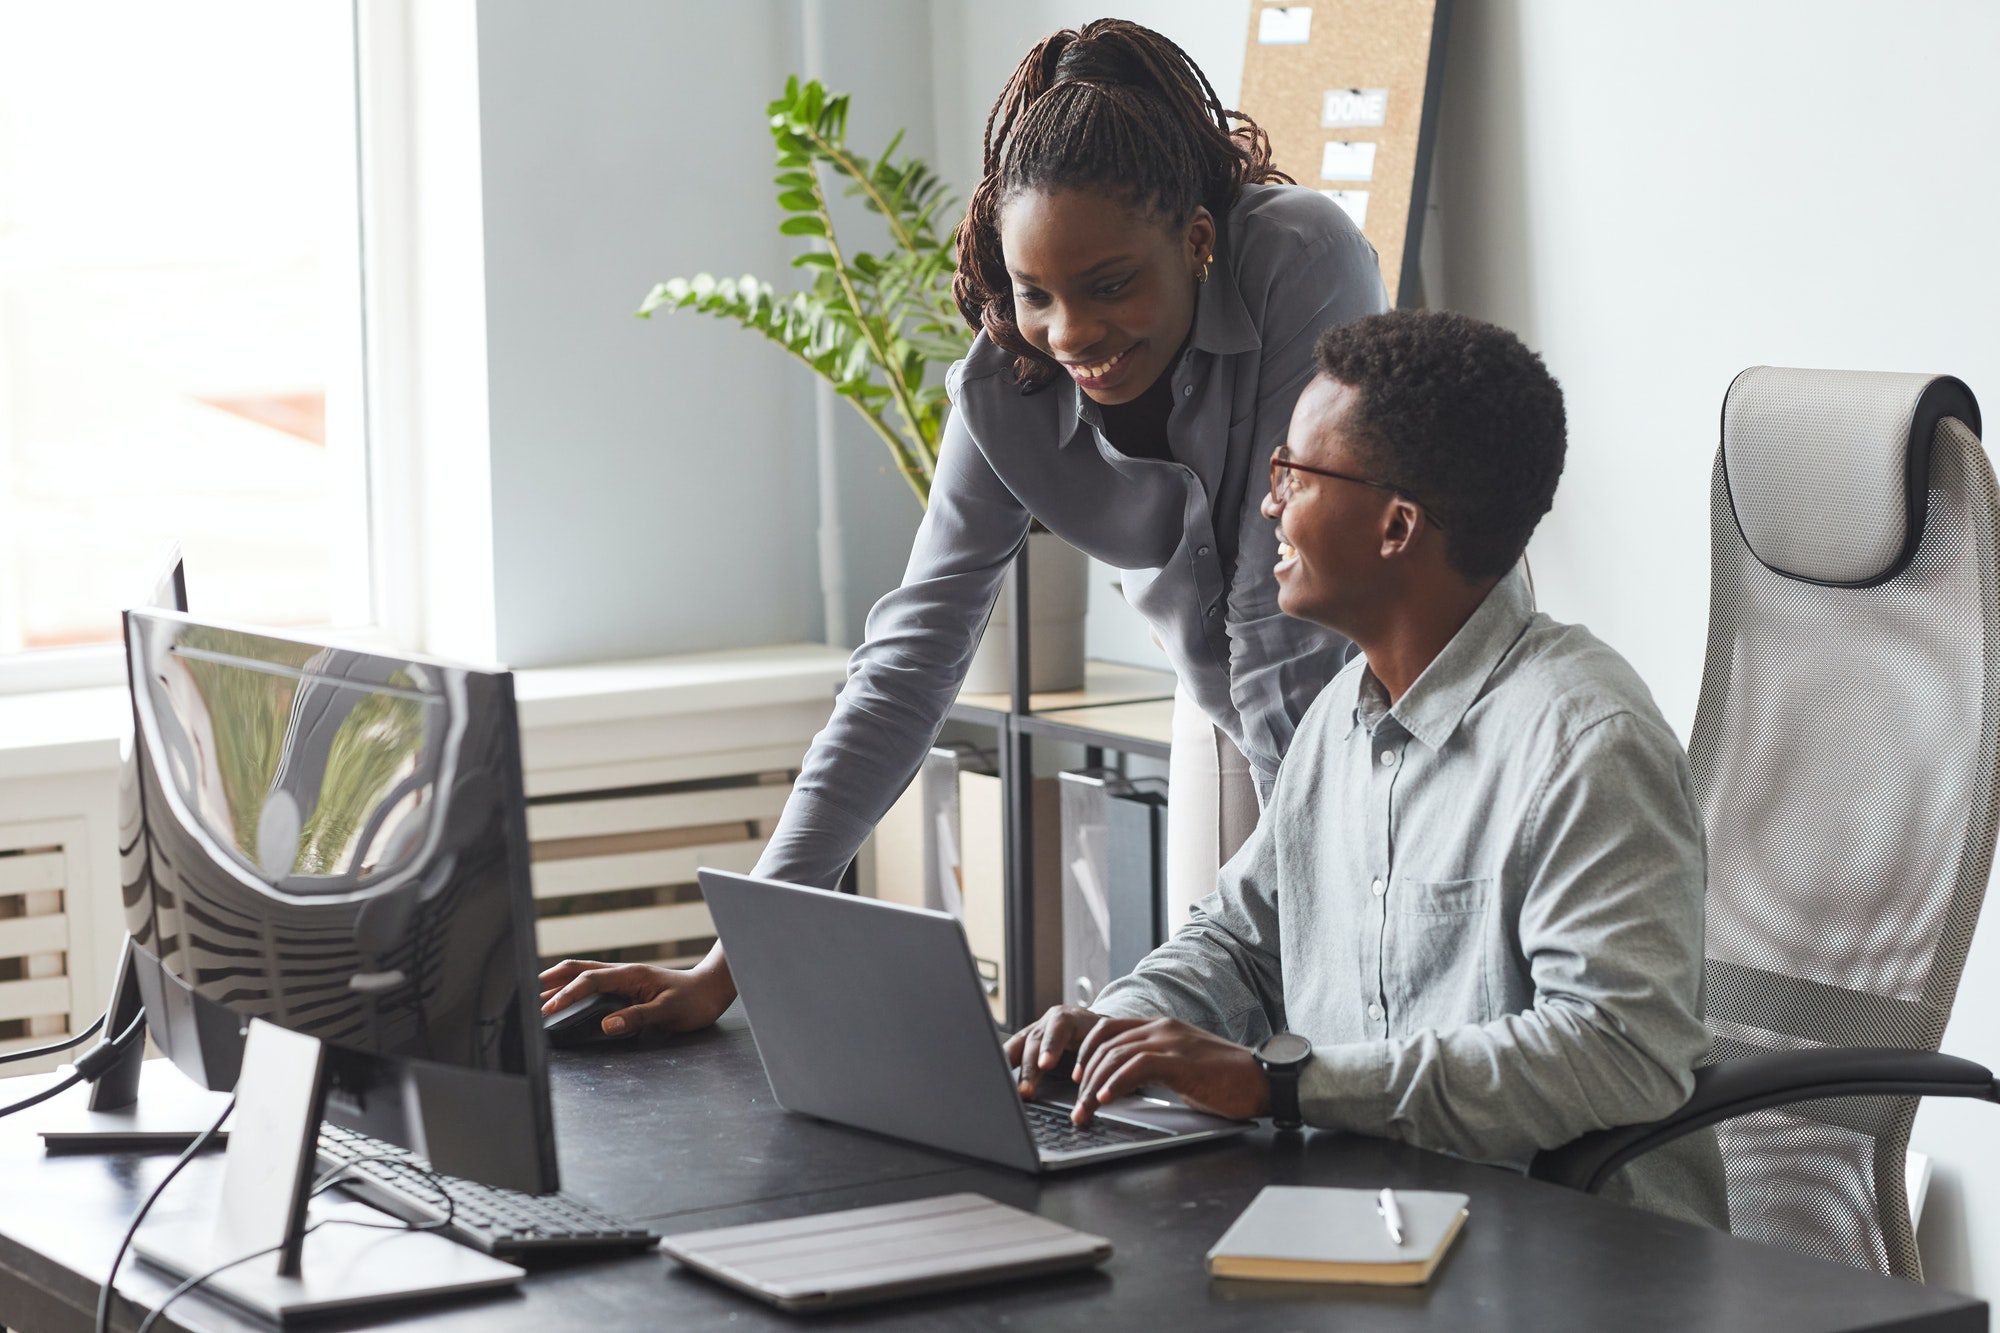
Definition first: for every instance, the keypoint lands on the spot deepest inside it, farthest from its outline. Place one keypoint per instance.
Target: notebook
(1305, 1234)
(898, 1249)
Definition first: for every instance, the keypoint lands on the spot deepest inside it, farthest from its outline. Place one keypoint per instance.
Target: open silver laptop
(871, 1014)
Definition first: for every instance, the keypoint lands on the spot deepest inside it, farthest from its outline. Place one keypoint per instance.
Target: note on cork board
(1348, 90)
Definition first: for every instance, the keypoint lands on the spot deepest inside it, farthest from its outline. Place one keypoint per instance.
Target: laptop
(871, 1014)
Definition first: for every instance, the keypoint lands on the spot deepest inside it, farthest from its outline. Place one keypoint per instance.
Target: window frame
(377, 358)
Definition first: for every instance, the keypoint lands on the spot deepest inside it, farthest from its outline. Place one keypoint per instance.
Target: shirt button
(1201, 550)
(1378, 888)
(1388, 758)
(1186, 390)
(1375, 1012)
(1211, 612)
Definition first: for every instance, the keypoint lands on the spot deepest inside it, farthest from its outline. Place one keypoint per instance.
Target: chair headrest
(1829, 470)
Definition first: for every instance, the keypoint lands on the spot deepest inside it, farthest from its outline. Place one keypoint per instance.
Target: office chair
(1844, 759)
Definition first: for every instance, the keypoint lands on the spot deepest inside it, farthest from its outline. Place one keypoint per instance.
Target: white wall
(1655, 197)
(878, 52)
(652, 481)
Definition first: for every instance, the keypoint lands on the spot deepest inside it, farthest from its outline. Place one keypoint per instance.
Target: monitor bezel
(405, 1100)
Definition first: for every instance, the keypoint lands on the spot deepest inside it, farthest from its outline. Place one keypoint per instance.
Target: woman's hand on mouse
(664, 999)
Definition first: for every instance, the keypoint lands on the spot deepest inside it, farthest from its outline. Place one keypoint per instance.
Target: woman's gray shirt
(1195, 551)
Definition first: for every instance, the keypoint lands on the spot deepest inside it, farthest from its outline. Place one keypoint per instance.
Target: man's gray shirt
(1483, 906)
(1195, 554)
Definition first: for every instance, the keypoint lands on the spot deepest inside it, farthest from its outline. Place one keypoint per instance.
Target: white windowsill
(63, 731)
(81, 731)
(691, 683)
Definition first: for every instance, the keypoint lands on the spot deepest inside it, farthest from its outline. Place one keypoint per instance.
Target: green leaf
(813, 259)
(802, 225)
(654, 300)
(793, 180)
(799, 201)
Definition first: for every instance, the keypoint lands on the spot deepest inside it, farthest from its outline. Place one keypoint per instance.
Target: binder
(968, 887)
(1113, 878)
(1137, 849)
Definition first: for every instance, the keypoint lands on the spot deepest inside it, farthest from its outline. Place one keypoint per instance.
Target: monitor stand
(136, 1103)
(304, 1264)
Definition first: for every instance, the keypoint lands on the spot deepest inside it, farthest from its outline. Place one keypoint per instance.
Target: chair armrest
(1753, 1083)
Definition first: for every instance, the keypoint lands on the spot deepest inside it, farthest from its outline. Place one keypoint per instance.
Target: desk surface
(682, 1132)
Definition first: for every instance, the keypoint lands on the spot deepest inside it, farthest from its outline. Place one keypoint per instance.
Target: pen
(1392, 1216)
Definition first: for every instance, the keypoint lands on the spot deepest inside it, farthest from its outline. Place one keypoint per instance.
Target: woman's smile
(1105, 374)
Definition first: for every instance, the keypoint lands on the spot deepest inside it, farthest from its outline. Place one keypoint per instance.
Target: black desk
(684, 1132)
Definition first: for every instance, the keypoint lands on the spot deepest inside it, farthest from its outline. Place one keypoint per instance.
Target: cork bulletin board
(1348, 91)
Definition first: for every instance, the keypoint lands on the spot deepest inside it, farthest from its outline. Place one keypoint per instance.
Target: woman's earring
(1206, 260)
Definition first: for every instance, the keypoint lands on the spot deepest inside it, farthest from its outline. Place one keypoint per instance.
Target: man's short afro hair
(1461, 415)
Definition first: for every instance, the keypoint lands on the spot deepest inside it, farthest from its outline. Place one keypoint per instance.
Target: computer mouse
(583, 1022)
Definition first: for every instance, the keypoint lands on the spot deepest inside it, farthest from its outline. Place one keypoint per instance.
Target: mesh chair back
(1844, 759)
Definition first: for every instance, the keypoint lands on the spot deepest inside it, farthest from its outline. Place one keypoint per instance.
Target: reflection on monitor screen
(333, 840)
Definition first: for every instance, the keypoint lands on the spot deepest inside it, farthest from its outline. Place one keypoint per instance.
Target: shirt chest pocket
(1434, 947)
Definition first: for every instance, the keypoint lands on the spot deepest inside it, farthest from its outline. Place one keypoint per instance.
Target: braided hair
(1111, 107)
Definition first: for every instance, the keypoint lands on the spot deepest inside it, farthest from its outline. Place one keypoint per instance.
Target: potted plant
(880, 328)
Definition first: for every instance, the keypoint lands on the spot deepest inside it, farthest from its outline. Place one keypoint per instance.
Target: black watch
(1283, 1056)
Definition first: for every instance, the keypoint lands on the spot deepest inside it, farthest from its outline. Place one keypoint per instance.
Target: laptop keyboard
(1054, 1131)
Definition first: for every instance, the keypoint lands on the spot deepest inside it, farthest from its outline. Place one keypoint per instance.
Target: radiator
(614, 871)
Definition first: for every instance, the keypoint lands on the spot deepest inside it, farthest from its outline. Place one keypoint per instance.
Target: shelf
(1145, 727)
(1104, 683)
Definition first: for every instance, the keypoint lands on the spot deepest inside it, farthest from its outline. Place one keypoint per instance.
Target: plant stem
(866, 182)
(905, 466)
(905, 404)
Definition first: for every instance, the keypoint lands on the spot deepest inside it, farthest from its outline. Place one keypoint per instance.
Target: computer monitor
(170, 589)
(117, 1087)
(334, 841)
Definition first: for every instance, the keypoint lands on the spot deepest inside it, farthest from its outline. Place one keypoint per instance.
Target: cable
(42, 1096)
(331, 1178)
(98, 1061)
(153, 1315)
(78, 1040)
(325, 1182)
(111, 1278)
(91, 1067)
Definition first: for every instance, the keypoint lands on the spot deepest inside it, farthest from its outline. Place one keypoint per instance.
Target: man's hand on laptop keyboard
(1045, 1045)
(1209, 1072)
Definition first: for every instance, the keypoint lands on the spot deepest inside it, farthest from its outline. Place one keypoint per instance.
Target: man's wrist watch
(1283, 1057)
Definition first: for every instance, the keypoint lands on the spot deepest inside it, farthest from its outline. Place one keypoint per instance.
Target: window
(180, 321)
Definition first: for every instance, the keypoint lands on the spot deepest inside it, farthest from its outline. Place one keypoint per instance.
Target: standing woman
(1146, 290)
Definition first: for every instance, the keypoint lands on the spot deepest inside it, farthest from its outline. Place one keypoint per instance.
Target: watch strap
(1284, 1095)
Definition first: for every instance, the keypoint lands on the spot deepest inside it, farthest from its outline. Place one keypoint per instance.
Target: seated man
(1476, 894)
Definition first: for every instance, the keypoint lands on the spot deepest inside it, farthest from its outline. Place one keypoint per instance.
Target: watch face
(1287, 1048)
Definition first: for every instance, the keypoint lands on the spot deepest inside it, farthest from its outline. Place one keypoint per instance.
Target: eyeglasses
(1282, 469)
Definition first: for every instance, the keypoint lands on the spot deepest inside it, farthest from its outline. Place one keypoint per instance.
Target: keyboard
(1054, 1131)
(503, 1223)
